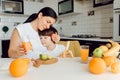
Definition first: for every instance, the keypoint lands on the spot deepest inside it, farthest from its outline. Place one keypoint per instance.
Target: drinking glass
(26, 44)
(84, 53)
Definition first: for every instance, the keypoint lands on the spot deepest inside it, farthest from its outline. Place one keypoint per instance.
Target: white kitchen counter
(90, 39)
(64, 69)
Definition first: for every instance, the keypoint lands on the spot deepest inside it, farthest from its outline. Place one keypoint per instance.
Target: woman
(40, 21)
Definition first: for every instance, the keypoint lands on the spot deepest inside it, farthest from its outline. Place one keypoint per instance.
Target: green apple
(43, 56)
(98, 52)
(40, 56)
(49, 57)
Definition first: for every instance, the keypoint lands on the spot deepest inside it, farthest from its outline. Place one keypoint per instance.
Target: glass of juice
(84, 53)
(26, 44)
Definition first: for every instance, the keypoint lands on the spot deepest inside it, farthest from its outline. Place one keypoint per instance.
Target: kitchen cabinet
(5, 47)
(32, 7)
(11, 7)
(97, 3)
(69, 7)
(52, 4)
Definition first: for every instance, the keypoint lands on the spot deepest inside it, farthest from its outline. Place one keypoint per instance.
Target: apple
(49, 57)
(98, 52)
(43, 56)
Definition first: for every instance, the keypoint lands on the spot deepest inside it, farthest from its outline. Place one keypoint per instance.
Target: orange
(109, 60)
(115, 67)
(97, 66)
(18, 67)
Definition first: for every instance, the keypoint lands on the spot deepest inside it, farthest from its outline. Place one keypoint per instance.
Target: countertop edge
(89, 39)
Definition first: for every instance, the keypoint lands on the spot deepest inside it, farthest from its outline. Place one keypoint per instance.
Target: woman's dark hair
(48, 32)
(46, 11)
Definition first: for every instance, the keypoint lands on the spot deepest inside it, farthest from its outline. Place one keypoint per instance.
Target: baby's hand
(55, 38)
(67, 54)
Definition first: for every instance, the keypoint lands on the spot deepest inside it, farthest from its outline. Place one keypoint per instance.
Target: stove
(90, 36)
(85, 36)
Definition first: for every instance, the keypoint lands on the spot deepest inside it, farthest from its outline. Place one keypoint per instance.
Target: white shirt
(57, 51)
(26, 30)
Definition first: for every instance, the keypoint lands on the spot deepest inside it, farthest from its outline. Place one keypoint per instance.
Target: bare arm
(15, 48)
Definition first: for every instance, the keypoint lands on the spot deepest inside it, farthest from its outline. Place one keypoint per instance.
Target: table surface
(64, 69)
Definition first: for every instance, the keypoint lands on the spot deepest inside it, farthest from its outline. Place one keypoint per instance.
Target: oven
(12, 6)
(116, 18)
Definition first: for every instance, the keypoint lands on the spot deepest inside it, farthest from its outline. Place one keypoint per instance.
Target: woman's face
(44, 22)
(46, 40)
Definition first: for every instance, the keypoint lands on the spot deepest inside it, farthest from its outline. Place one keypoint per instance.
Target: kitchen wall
(10, 21)
(100, 23)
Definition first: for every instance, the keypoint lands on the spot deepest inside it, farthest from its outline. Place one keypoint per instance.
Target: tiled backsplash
(98, 24)
(10, 22)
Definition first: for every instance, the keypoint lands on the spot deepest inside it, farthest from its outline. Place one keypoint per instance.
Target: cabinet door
(5, 47)
(52, 3)
(32, 7)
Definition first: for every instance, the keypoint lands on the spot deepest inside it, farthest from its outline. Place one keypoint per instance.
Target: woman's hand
(21, 51)
(55, 38)
(66, 54)
(17, 52)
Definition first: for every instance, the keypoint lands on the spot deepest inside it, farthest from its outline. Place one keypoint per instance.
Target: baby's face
(46, 40)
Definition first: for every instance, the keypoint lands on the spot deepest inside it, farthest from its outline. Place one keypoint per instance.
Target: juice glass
(26, 44)
(84, 53)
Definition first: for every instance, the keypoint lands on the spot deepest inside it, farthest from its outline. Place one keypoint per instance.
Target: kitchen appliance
(85, 36)
(90, 36)
(65, 6)
(12, 6)
(97, 3)
(116, 18)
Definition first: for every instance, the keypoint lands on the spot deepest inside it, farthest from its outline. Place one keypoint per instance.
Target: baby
(53, 49)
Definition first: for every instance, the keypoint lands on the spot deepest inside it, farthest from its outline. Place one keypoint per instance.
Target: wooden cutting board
(51, 61)
(38, 62)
